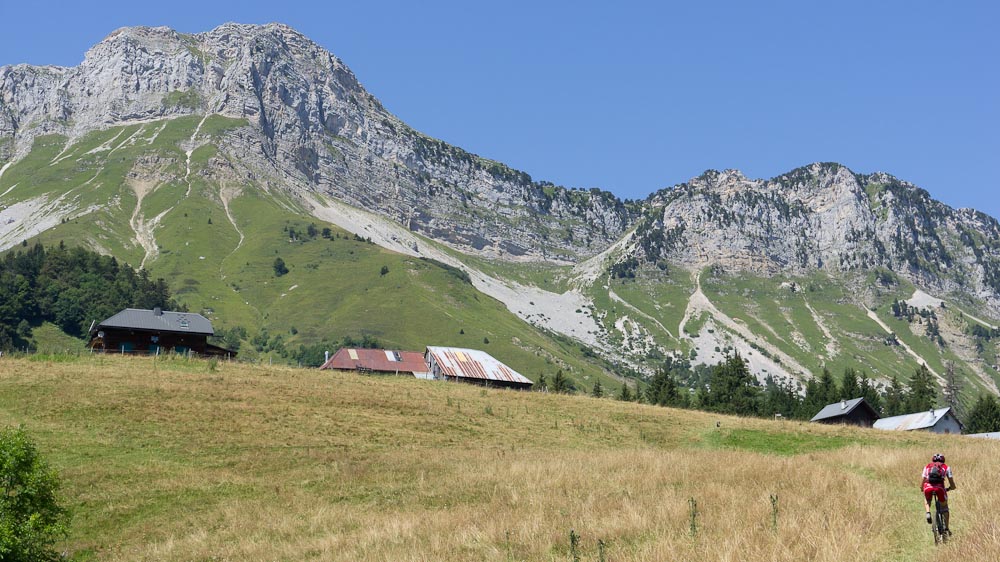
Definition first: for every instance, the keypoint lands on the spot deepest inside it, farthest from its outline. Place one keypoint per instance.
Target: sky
(635, 96)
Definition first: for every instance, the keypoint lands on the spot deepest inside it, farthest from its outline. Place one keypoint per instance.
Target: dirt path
(4, 169)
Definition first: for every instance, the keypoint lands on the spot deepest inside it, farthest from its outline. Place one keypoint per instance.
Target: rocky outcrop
(314, 128)
(822, 217)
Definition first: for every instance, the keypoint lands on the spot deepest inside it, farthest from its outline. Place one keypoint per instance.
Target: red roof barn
(378, 361)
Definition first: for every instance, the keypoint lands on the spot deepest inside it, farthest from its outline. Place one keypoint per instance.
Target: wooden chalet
(136, 330)
(849, 412)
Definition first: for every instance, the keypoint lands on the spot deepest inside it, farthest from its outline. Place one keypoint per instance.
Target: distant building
(382, 361)
(473, 366)
(136, 330)
(991, 435)
(941, 420)
(850, 412)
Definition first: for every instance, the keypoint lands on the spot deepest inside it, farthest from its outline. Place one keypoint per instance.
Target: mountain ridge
(155, 125)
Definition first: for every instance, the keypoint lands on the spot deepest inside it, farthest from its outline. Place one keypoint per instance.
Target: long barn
(384, 361)
(473, 366)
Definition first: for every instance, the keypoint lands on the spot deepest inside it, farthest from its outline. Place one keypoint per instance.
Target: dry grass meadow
(187, 460)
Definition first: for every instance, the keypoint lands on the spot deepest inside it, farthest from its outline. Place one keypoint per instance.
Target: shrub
(279, 267)
(31, 519)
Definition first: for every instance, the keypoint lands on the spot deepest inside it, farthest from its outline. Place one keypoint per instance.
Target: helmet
(938, 457)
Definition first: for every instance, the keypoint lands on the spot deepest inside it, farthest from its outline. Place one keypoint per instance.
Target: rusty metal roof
(380, 360)
(473, 364)
(907, 422)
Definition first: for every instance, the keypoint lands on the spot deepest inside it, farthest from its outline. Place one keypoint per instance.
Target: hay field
(188, 460)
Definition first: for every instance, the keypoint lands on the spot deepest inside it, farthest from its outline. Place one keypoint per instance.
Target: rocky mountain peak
(312, 130)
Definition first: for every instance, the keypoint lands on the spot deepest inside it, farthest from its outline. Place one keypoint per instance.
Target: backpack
(936, 474)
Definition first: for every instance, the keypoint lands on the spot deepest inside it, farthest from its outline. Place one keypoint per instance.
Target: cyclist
(932, 483)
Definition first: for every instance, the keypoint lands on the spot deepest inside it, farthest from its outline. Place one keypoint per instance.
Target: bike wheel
(940, 532)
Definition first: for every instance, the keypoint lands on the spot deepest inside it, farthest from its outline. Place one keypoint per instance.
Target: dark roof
(381, 360)
(159, 321)
(842, 408)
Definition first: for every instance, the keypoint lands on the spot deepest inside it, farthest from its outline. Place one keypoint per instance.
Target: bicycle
(941, 532)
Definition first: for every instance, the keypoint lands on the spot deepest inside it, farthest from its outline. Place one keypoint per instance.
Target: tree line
(730, 388)
(69, 287)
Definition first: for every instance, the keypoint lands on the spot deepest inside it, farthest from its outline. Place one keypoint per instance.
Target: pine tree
(895, 398)
(733, 390)
(849, 386)
(598, 390)
(984, 416)
(953, 390)
(543, 384)
(625, 395)
(561, 384)
(871, 394)
(827, 392)
(922, 395)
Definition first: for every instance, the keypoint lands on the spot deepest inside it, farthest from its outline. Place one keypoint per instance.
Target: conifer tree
(984, 416)
(895, 398)
(827, 392)
(561, 384)
(849, 386)
(953, 390)
(598, 390)
(625, 395)
(543, 384)
(922, 395)
(871, 394)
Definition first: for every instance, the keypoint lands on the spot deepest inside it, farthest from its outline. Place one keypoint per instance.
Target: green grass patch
(186, 99)
(776, 443)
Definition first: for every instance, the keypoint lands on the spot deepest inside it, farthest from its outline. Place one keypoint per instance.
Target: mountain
(314, 130)
(204, 157)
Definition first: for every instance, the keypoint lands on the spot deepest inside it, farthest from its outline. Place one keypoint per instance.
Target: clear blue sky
(635, 96)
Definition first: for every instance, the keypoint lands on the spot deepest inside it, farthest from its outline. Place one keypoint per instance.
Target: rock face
(313, 128)
(825, 217)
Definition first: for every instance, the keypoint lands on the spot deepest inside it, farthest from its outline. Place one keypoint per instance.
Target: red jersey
(946, 472)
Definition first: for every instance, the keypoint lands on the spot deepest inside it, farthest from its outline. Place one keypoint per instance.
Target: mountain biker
(932, 483)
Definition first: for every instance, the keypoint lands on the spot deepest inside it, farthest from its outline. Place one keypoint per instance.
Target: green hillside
(172, 459)
(215, 240)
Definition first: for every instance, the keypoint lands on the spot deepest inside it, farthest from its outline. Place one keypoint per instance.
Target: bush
(279, 267)
(31, 519)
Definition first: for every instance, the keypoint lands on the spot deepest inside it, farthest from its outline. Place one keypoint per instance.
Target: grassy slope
(783, 318)
(338, 289)
(177, 460)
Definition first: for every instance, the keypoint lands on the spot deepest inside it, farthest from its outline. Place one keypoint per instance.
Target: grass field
(190, 460)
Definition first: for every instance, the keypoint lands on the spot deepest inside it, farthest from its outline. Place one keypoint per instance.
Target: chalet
(849, 412)
(941, 420)
(382, 361)
(136, 330)
(472, 366)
